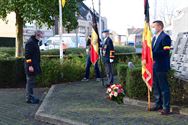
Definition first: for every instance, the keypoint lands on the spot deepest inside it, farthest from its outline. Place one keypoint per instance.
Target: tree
(167, 12)
(42, 11)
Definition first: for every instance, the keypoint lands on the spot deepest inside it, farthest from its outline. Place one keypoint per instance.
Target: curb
(52, 119)
(174, 109)
(135, 102)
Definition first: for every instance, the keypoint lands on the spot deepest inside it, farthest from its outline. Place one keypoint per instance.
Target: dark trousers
(161, 90)
(109, 72)
(29, 86)
(96, 67)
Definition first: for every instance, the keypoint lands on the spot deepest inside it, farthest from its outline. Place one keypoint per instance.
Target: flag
(63, 2)
(94, 47)
(147, 58)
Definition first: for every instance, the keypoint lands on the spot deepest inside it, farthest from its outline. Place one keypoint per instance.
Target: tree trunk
(56, 25)
(19, 35)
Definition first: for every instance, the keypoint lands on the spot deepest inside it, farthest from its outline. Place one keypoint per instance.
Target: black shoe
(156, 109)
(33, 101)
(165, 112)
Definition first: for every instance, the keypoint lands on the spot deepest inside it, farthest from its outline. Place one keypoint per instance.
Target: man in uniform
(108, 56)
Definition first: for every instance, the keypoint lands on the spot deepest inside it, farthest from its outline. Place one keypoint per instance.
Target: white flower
(112, 86)
(109, 90)
(110, 95)
(115, 94)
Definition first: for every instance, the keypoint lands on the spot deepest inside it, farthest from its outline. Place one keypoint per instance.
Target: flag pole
(60, 30)
(100, 57)
(100, 18)
(149, 100)
(100, 32)
(147, 73)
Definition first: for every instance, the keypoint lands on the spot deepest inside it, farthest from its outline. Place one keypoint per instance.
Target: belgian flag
(147, 58)
(94, 47)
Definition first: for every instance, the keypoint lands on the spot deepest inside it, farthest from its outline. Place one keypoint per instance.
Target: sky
(122, 14)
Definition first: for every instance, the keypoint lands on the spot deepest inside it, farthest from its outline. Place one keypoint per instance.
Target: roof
(84, 11)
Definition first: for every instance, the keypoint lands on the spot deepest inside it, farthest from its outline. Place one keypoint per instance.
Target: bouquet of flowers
(116, 93)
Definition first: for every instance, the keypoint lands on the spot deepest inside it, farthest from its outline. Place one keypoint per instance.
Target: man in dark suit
(32, 65)
(161, 47)
(108, 56)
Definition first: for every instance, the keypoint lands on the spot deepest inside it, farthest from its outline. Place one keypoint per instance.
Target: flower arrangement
(116, 93)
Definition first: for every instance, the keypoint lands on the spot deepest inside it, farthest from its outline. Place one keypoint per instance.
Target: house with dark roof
(85, 19)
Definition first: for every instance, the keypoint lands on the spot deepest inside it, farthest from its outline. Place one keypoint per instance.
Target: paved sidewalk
(14, 110)
(86, 104)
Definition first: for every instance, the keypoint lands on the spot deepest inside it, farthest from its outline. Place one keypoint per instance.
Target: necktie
(155, 39)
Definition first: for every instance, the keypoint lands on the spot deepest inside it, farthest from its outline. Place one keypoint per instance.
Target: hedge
(7, 42)
(128, 57)
(122, 73)
(136, 88)
(11, 72)
(7, 52)
(81, 51)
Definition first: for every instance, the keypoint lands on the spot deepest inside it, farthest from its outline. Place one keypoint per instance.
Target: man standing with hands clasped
(161, 56)
(32, 65)
(108, 56)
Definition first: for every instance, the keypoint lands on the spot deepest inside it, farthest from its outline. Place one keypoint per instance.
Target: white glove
(87, 51)
(111, 60)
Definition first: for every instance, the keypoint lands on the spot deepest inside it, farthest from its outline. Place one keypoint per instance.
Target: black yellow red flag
(94, 52)
(147, 58)
(63, 2)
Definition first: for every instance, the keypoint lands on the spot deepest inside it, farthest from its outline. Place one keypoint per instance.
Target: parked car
(68, 41)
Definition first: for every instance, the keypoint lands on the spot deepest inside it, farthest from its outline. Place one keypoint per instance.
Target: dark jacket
(108, 50)
(32, 56)
(161, 52)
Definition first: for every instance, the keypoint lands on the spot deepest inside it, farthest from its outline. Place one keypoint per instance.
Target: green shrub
(73, 69)
(77, 51)
(12, 72)
(4, 55)
(50, 52)
(176, 88)
(51, 72)
(135, 86)
(7, 52)
(122, 73)
(69, 51)
(128, 57)
(81, 51)
(124, 49)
